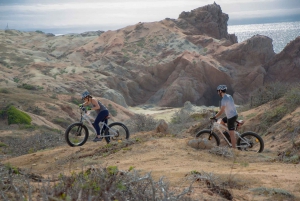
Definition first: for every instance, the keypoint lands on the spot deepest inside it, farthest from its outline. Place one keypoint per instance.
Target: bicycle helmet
(85, 94)
(223, 88)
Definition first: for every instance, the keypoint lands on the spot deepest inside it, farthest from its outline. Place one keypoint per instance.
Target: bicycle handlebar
(83, 108)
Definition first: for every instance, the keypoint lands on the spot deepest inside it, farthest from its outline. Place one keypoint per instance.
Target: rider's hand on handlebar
(213, 118)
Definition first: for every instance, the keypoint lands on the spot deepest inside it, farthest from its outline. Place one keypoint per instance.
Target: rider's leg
(107, 139)
(100, 117)
(231, 128)
(224, 121)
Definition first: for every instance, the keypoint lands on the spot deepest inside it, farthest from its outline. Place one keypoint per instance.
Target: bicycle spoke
(76, 135)
(118, 130)
(250, 141)
(206, 135)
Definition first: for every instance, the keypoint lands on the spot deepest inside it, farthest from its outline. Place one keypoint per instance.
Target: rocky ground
(248, 176)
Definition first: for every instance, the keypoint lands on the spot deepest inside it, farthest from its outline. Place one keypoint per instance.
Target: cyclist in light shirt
(227, 106)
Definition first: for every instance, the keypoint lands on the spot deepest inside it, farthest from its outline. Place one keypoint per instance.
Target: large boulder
(200, 144)
(162, 126)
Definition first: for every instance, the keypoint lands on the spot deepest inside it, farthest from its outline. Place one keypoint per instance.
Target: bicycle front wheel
(76, 134)
(250, 141)
(208, 135)
(118, 130)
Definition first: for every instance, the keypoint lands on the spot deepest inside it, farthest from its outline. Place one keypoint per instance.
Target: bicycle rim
(119, 131)
(250, 141)
(207, 135)
(76, 135)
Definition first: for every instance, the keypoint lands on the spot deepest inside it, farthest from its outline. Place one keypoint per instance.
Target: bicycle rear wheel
(250, 141)
(76, 134)
(208, 135)
(118, 130)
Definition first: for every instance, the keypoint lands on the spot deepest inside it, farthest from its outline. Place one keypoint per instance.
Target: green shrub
(2, 144)
(60, 121)
(272, 116)
(141, 122)
(16, 116)
(5, 91)
(39, 31)
(269, 92)
(29, 87)
(292, 98)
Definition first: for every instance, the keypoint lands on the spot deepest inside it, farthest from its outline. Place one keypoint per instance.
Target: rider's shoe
(235, 152)
(97, 139)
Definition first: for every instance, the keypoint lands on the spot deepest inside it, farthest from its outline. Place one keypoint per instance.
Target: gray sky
(76, 16)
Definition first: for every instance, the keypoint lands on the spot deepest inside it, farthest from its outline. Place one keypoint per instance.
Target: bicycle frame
(85, 116)
(220, 128)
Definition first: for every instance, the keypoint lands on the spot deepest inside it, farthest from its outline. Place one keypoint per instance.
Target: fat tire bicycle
(77, 133)
(247, 141)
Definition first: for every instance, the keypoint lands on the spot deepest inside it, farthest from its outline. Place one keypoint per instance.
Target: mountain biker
(101, 110)
(227, 106)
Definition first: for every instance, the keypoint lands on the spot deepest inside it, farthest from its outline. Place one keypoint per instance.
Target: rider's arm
(220, 112)
(95, 102)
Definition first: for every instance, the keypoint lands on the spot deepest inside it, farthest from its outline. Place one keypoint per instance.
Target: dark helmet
(85, 94)
(223, 88)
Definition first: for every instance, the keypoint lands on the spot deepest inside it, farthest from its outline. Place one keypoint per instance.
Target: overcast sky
(76, 16)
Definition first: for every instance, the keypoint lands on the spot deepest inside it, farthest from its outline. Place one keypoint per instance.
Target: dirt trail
(172, 158)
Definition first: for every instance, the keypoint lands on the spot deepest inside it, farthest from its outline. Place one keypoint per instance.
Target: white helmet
(223, 88)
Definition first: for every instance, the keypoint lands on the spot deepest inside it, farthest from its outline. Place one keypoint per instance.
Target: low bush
(5, 91)
(18, 146)
(292, 98)
(141, 122)
(29, 87)
(102, 183)
(269, 92)
(277, 194)
(62, 122)
(36, 110)
(16, 116)
(182, 120)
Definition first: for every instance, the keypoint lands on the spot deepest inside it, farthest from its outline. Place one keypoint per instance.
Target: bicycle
(77, 133)
(248, 141)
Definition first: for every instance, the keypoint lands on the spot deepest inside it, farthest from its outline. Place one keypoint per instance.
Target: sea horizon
(280, 32)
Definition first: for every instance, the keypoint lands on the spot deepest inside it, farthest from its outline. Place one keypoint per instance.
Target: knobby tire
(76, 134)
(210, 136)
(255, 141)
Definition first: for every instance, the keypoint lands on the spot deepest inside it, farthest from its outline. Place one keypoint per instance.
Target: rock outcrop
(208, 20)
(162, 127)
(164, 63)
(200, 144)
(285, 66)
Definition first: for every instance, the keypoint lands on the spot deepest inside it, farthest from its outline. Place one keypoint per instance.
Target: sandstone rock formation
(164, 63)
(285, 66)
(208, 20)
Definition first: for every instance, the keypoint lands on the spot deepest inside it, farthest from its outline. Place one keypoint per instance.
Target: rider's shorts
(230, 122)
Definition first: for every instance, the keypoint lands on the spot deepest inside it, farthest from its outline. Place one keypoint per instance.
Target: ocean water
(281, 33)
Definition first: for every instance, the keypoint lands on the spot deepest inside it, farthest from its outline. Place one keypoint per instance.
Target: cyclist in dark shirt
(101, 110)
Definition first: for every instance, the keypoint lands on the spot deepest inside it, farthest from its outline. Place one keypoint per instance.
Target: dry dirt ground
(171, 157)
